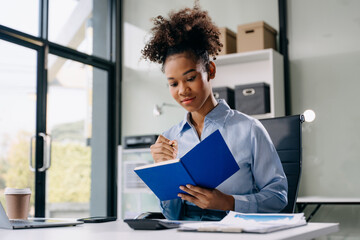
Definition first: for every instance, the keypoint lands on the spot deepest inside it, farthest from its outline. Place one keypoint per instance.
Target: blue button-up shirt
(260, 186)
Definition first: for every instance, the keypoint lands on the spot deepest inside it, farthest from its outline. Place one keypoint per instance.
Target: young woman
(182, 43)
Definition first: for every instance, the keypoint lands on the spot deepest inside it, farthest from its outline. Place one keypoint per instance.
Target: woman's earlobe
(212, 70)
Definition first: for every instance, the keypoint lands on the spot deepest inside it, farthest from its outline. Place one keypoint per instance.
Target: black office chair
(285, 132)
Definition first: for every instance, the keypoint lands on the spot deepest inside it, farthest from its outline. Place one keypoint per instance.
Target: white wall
(324, 50)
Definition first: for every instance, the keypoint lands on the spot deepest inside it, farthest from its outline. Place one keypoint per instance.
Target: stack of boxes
(249, 37)
(253, 98)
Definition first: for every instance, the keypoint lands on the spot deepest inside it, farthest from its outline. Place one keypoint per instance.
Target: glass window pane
(22, 15)
(82, 25)
(77, 123)
(17, 118)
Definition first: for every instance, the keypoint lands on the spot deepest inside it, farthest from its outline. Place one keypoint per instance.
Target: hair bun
(186, 29)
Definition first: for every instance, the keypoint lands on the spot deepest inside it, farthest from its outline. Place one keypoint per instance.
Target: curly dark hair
(187, 30)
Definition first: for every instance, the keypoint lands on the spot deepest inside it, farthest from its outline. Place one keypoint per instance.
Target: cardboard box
(228, 39)
(255, 36)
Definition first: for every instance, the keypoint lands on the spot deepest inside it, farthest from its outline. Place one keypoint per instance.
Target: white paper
(259, 223)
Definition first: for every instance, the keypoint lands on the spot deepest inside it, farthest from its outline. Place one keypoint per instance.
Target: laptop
(33, 222)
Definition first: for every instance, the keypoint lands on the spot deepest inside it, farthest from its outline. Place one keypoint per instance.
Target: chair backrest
(285, 132)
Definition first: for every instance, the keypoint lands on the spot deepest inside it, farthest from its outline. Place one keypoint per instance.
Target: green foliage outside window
(68, 179)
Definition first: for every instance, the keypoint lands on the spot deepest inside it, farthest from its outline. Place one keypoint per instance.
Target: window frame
(112, 66)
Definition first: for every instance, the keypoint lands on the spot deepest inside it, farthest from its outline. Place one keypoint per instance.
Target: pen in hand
(173, 144)
(164, 149)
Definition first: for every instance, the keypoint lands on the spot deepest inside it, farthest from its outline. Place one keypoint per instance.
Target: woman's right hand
(164, 149)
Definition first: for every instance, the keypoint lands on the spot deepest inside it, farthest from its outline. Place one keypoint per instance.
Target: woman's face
(188, 82)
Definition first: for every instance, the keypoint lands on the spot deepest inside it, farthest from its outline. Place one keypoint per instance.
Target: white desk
(120, 231)
(303, 202)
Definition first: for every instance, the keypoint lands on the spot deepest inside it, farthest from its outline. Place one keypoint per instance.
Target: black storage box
(143, 141)
(253, 98)
(225, 93)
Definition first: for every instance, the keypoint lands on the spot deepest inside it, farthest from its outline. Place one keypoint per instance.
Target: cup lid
(17, 191)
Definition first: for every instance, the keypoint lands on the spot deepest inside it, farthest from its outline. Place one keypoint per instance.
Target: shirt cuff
(245, 204)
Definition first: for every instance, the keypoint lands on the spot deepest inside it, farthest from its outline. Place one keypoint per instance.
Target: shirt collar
(217, 116)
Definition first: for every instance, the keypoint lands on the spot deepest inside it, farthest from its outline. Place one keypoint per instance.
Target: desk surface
(303, 202)
(327, 200)
(120, 230)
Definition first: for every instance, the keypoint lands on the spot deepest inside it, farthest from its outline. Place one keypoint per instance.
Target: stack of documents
(252, 223)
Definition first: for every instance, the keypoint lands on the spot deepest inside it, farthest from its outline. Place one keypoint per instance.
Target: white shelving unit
(253, 67)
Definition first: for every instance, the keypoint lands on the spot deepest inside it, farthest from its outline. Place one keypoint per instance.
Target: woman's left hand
(207, 198)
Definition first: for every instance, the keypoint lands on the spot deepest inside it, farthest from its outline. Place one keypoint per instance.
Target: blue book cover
(208, 164)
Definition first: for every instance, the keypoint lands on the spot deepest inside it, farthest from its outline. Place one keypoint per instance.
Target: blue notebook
(207, 165)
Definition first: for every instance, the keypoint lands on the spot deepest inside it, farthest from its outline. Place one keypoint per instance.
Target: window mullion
(44, 19)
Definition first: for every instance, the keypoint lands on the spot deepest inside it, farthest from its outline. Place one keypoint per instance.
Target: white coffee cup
(17, 202)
